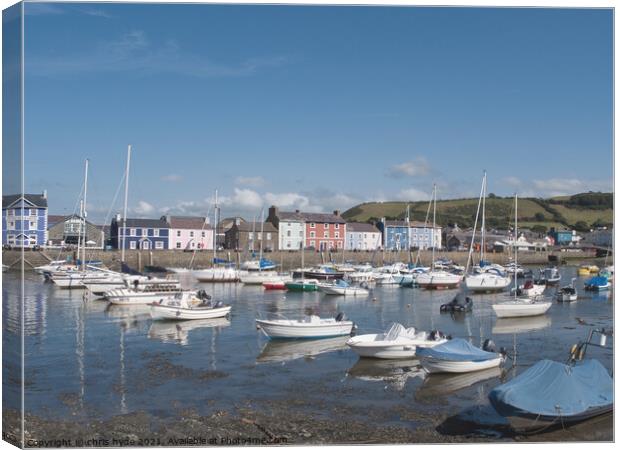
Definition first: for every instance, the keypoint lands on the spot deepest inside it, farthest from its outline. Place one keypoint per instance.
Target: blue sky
(313, 107)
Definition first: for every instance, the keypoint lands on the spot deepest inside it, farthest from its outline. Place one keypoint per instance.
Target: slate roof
(36, 199)
(145, 223)
(53, 219)
(255, 226)
(361, 227)
(403, 223)
(189, 223)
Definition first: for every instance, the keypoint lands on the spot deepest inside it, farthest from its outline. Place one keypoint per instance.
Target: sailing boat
(263, 271)
(436, 279)
(519, 305)
(222, 271)
(301, 285)
(488, 278)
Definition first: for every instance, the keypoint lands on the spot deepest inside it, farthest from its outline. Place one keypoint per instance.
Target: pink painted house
(190, 233)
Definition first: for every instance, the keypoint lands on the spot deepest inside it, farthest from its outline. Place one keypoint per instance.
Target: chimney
(44, 193)
(297, 211)
(336, 212)
(273, 211)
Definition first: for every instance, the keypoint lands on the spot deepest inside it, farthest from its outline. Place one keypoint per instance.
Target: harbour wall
(287, 260)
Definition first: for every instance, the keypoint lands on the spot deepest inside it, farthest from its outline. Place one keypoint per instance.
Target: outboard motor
(435, 335)
(340, 317)
(488, 346)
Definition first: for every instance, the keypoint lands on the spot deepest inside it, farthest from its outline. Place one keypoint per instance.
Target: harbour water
(88, 360)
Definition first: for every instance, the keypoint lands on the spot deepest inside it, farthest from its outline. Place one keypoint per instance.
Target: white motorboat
(341, 287)
(76, 279)
(459, 356)
(258, 264)
(397, 342)
(532, 288)
(551, 275)
(487, 281)
(188, 305)
(308, 327)
(138, 282)
(53, 266)
(520, 307)
(438, 279)
(260, 277)
(567, 293)
(216, 274)
(132, 296)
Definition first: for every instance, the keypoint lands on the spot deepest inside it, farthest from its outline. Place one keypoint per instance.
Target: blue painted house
(24, 220)
(143, 234)
(405, 235)
(562, 237)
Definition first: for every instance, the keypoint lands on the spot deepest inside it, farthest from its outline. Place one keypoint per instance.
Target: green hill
(579, 211)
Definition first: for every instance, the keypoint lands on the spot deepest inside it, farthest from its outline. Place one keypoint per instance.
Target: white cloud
(511, 181)
(172, 178)
(250, 181)
(287, 200)
(413, 195)
(143, 208)
(243, 198)
(419, 166)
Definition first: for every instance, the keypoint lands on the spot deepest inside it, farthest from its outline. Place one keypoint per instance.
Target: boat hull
(486, 283)
(301, 287)
(433, 365)
(347, 291)
(276, 330)
(163, 312)
(517, 309)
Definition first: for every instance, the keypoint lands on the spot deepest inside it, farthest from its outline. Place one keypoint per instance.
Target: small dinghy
(567, 293)
(341, 287)
(396, 343)
(597, 284)
(460, 303)
(308, 327)
(521, 307)
(301, 285)
(551, 392)
(189, 305)
(459, 356)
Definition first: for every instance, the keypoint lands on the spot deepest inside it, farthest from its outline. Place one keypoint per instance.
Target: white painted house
(291, 228)
(190, 233)
(421, 236)
(362, 236)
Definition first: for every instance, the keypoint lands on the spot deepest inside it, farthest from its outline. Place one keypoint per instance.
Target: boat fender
(488, 345)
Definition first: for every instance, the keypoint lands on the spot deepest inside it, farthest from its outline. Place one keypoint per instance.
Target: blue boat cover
(484, 263)
(264, 263)
(220, 261)
(342, 283)
(596, 281)
(456, 350)
(550, 388)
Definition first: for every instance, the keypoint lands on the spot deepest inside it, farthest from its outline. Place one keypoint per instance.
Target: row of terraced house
(25, 223)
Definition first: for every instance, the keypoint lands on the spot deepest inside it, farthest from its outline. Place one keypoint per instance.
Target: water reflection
(288, 350)
(439, 384)
(177, 332)
(394, 372)
(521, 324)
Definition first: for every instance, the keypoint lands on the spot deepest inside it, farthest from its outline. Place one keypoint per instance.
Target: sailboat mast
(123, 236)
(215, 220)
(84, 214)
(483, 225)
(473, 235)
(515, 244)
(433, 229)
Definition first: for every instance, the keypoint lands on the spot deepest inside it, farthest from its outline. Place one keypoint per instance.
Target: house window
(178, 245)
(191, 234)
(250, 236)
(204, 234)
(260, 236)
(326, 226)
(288, 233)
(132, 245)
(312, 225)
(159, 245)
(312, 234)
(268, 236)
(288, 245)
(178, 233)
(301, 233)
(337, 234)
(132, 232)
(337, 226)
(326, 234)
(33, 224)
(312, 243)
(156, 232)
(11, 225)
(11, 212)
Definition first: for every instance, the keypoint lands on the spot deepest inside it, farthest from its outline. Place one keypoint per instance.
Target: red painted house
(325, 231)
